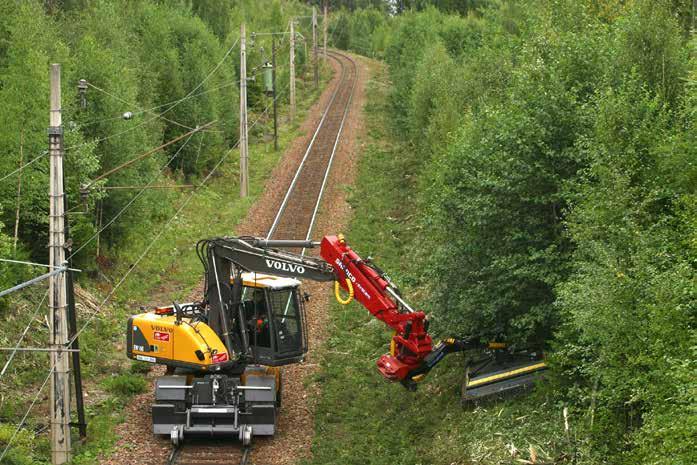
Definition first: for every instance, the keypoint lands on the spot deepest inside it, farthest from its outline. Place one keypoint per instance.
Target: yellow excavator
(223, 353)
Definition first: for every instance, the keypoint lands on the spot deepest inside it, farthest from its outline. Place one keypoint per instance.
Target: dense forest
(553, 185)
(142, 57)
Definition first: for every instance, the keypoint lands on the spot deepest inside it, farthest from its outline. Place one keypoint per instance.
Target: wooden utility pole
(314, 46)
(244, 148)
(324, 30)
(60, 363)
(273, 86)
(292, 70)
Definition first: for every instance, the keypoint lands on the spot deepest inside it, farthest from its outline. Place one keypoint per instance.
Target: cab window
(287, 324)
(257, 315)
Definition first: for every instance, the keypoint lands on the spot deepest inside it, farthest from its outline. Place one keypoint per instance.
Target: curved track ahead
(296, 216)
(294, 219)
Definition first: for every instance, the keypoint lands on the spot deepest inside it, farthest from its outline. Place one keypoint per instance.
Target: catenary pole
(292, 70)
(60, 380)
(315, 63)
(244, 148)
(324, 30)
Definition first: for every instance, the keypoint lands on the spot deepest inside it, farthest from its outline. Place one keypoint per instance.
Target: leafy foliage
(5, 251)
(26, 450)
(126, 384)
(135, 56)
(552, 177)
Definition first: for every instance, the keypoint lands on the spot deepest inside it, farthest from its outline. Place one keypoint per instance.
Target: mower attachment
(501, 375)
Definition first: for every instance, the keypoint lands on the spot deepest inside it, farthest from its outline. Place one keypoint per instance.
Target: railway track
(296, 216)
(294, 219)
(209, 453)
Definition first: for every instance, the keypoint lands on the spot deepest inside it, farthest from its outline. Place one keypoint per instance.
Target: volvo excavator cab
(275, 316)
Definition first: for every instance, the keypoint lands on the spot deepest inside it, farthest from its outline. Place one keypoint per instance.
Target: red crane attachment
(374, 290)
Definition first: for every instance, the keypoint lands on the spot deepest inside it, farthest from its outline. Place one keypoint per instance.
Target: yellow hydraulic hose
(337, 292)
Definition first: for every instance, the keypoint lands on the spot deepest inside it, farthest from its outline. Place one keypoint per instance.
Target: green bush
(140, 367)
(137, 55)
(5, 251)
(25, 447)
(126, 385)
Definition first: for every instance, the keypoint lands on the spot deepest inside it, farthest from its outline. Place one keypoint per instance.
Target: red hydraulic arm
(411, 343)
(412, 353)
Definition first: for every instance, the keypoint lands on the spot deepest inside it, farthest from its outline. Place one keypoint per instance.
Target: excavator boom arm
(262, 256)
(229, 256)
(411, 342)
(412, 352)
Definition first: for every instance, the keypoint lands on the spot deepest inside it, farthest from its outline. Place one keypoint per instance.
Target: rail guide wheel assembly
(177, 436)
(246, 435)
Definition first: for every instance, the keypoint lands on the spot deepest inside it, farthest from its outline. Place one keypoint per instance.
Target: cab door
(289, 333)
(256, 312)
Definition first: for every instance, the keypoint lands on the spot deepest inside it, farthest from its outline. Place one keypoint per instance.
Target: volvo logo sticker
(285, 266)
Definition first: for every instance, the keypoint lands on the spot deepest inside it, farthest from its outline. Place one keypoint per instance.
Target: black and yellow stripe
(506, 375)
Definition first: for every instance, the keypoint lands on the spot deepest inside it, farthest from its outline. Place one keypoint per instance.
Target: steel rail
(245, 455)
(329, 162)
(336, 144)
(177, 450)
(284, 203)
(175, 454)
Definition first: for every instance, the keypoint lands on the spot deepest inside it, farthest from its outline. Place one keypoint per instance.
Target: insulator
(267, 69)
(82, 89)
